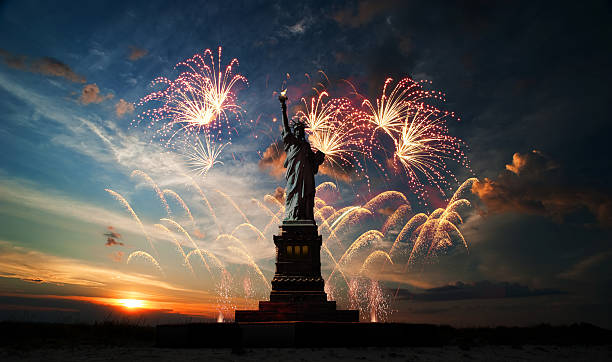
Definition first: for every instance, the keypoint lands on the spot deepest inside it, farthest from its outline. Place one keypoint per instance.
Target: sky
(527, 82)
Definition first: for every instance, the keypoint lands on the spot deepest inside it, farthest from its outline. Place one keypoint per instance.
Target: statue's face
(299, 133)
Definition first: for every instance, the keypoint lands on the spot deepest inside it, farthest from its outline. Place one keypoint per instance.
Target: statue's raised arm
(302, 164)
(283, 99)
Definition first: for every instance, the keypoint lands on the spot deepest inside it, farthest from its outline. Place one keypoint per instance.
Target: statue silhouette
(302, 164)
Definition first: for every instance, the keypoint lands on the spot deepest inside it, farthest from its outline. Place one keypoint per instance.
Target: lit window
(289, 249)
(304, 249)
(297, 250)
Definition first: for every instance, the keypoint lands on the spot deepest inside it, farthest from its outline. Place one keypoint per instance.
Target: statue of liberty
(302, 164)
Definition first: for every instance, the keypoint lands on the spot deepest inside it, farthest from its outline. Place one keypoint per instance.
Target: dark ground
(121, 342)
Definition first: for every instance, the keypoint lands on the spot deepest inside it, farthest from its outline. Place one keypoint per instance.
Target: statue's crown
(298, 125)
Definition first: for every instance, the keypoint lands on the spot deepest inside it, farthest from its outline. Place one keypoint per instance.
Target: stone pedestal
(297, 287)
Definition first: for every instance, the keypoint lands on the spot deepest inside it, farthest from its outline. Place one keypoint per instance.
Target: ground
(447, 353)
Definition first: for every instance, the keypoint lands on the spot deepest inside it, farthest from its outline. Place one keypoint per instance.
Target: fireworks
(390, 111)
(424, 146)
(202, 158)
(202, 98)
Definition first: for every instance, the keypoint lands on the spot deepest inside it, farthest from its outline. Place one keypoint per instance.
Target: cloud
(299, 27)
(14, 61)
(117, 256)
(366, 11)
(136, 53)
(478, 290)
(593, 266)
(110, 241)
(50, 66)
(337, 172)
(91, 94)
(122, 107)
(273, 159)
(534, 184)
(46, 66)
(279, 194)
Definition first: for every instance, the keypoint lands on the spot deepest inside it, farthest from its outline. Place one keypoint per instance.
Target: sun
(131, 303)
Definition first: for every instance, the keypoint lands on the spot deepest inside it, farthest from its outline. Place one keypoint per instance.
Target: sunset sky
(528, 82)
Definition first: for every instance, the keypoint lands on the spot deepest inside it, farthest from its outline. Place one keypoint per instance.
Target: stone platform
(297, 287)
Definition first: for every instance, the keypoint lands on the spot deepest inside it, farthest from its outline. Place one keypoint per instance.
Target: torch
(283, 96)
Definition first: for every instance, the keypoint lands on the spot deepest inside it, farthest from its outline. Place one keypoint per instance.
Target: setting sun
(131, 303)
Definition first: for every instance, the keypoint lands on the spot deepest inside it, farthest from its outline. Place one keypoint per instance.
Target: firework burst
(424, 145)
(201, 98)
(203, 156)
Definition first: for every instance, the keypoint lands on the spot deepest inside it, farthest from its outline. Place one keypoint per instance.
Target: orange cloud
(273, 159)
(122, 107)
(137, 53)
(91, 94)
(279, 194)
(533, 184)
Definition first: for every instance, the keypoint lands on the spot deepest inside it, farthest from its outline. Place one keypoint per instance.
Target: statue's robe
(302, 164)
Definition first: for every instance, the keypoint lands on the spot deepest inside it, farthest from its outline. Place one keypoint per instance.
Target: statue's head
(299, 130)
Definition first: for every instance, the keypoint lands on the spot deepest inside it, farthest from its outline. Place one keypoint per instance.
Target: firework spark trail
(424, 146)
(146, 256)
(266, 209)
(320, 115)
(426, 236)
(235, 239)
(390, 111)
(379, 200)
(178, 246)
(408, 229)
(201, 98)
(212, 212)
(466, 185)
(350, 218)
(202, 251)
(336, 265)
(202, 158)
(195, 246)
(272, 199)
(153, 185)
(368, 238)
(399, 214)
(126, 204)
(372, 257)
(246, 219)
(260, 235)
(182, 203)
(251, 263)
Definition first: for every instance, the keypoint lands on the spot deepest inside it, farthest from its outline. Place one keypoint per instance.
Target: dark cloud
(53, 67)
(364, 12)
(46, 66)
(136, 53)
(14, 61)
(112, 241)
(534, 184)
(478, 290)
(91, 94)
(112, 237)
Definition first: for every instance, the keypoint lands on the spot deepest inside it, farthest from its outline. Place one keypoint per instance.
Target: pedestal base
(305, 311)
(298, 292)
